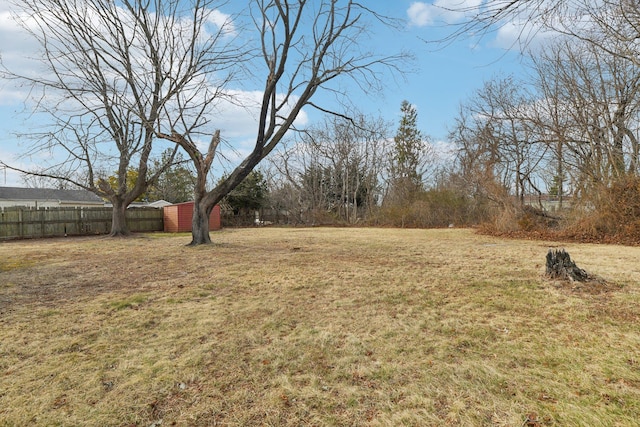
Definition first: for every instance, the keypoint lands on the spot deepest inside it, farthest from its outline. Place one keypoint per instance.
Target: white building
(47, 198)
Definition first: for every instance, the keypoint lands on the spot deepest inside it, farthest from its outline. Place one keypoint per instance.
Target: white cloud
(18, 51)
(236, 114)
(445, 151)
(509, 34)
(223, 21)
(11, 95)
(422, 14)
(5, 6)
(516, 34)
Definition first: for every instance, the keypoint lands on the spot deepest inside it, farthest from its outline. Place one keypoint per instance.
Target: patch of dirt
(80, 269)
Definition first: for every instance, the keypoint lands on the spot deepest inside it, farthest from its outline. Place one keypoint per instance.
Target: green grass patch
(15, 264)
(133, 301)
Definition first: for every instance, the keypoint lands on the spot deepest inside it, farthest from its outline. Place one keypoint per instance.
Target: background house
(158, 204)
(47, 198)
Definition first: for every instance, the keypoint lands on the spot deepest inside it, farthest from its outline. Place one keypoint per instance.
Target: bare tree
(497, 143)
(612, 26)
(303, 47)
(35, 181)
(111, 72)
(336, 168)
(589, 109)
(504, 106)
(478, 162)
(552, 119)
(584, 113)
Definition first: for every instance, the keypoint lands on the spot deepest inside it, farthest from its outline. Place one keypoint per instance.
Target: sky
(437, 82)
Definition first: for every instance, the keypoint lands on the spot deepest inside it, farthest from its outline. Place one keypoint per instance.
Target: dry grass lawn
(316, 327)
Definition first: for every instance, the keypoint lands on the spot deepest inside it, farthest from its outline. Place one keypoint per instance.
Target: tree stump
(560, 266)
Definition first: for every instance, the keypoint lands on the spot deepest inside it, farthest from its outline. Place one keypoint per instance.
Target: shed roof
(17, 193)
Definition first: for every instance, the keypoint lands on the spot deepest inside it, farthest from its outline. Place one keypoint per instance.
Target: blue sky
(441, 79)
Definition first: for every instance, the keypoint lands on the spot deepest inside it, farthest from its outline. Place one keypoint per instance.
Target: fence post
(20, 216)
(41, 215)
(80, 229)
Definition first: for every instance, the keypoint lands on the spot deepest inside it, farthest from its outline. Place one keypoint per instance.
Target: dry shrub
(536, 219)
(318, 217)
(401, 216)
(505, 221)
(444, 207)
(432, 209)
(612, 214)
(522, 221)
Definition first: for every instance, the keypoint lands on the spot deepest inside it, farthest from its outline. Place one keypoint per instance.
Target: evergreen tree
(175, 184)
(407, 157)
(250, 195)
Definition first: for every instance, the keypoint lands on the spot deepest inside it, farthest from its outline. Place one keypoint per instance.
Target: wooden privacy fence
(25, 222)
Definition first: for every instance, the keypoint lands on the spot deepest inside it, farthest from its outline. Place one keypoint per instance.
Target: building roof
(160, 204)
(78, 196)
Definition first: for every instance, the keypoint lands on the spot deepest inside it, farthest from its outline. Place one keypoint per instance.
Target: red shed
(177, 218)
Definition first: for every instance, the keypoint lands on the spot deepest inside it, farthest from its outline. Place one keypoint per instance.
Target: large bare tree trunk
(119, 220)
(200, 224)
